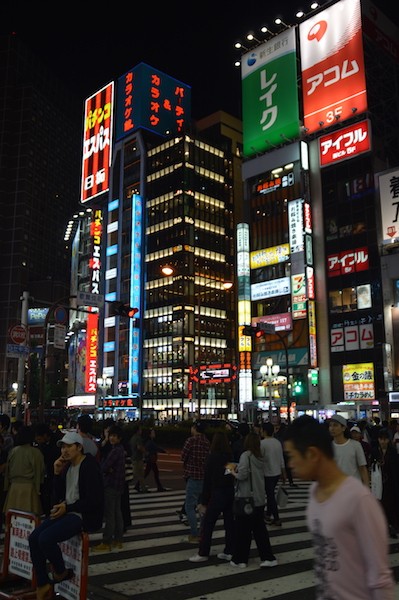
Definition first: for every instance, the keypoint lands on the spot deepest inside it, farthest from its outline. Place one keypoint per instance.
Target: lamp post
(104, 383)
(269, 371)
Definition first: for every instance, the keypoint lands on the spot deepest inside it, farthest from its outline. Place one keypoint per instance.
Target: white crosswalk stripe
(154, 565)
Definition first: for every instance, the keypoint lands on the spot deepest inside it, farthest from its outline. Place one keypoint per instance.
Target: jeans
(193, 491)
(113, 529)
(43, 544)
(270, 489)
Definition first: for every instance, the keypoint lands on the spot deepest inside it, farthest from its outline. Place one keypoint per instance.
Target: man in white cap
(349, 454)
(79, 506)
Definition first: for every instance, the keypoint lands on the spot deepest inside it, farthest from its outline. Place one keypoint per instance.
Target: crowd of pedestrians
(76, 482)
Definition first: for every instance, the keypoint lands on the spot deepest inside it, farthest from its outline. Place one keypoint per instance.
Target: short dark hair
(268, 428)
(116, 430)
(85, 423)
(5, 421)
(24, 435)
(306, 431)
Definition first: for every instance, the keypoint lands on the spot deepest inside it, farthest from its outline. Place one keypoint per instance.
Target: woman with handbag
(251, 485)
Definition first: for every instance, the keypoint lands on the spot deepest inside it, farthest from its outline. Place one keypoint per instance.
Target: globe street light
(104, 383)
(269, 371)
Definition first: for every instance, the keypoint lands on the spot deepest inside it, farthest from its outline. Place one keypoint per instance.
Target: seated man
(79, 501)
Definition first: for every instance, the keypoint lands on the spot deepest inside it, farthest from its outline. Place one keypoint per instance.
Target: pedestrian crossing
(154, 565)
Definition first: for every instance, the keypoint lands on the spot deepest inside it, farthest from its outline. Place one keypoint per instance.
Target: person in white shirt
(348, 453)
(274, 468)
(348, 527)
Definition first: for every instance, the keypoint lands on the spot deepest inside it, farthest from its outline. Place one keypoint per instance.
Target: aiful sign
(345, 143)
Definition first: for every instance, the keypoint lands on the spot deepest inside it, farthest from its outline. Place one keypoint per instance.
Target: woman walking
(217, 498)
(250, 480)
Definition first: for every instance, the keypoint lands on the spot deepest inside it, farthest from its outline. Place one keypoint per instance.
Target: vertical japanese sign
(97, 143)
(95, 259)
(389, 202)
(91, 353)
(333, 76)
(269, 94)
(152, 100)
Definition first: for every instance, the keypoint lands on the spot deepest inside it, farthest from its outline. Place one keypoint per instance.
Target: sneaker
(238, 565)
(193, 539)
(268, 519)
(117, 546)
(224, 556)
(269, 563)
(198, 558)
(276, 522)
(102, 548)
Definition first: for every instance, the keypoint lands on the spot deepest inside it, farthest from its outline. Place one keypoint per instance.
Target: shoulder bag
(243, 506)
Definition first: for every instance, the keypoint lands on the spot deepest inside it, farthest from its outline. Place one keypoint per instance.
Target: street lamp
(104, 383)
(269, 371)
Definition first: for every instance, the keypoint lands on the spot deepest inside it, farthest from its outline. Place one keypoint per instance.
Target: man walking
(194, 454)
(274, 468)
(348, 453)
(348, 526)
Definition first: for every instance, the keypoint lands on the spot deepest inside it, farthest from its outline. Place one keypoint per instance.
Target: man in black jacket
(79, 506)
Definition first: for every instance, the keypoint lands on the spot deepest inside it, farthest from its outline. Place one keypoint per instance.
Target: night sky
(193, 42)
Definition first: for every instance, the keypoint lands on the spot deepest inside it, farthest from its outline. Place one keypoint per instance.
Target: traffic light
(249, 331)
(298, 387)
(123, 310)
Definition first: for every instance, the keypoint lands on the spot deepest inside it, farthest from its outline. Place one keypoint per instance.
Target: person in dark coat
(79, 506)
(217, 498)
(387, 457)
(151, 459)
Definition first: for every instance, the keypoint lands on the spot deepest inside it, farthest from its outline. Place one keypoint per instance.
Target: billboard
(333, 76)
(149, 99)
(345, 143)
(269, 94)
(97, 143)
(389, 203)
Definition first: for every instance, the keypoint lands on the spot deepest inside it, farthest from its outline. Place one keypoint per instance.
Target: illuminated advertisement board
(333, 76)
(358, 381)
(348, 261)
(96, 228)
(269, 94)
(345, 143)
(270, 256)
(389, 203)
(97, 143)
(149, 99)
(135, 289)
(350, 335)
(270, 288)
(295, 221)
(91, 353)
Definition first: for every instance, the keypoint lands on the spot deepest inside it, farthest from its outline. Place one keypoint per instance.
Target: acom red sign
(345, 143)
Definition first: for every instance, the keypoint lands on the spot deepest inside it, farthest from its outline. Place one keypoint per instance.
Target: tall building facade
(167, 199)
(40, 123)
(320, 170)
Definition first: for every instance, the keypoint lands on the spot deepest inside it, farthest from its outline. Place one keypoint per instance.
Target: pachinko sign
(333, 76)
(97, 143)
(91, 353)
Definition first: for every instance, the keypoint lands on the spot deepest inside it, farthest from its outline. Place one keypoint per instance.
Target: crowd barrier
(17, 579)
